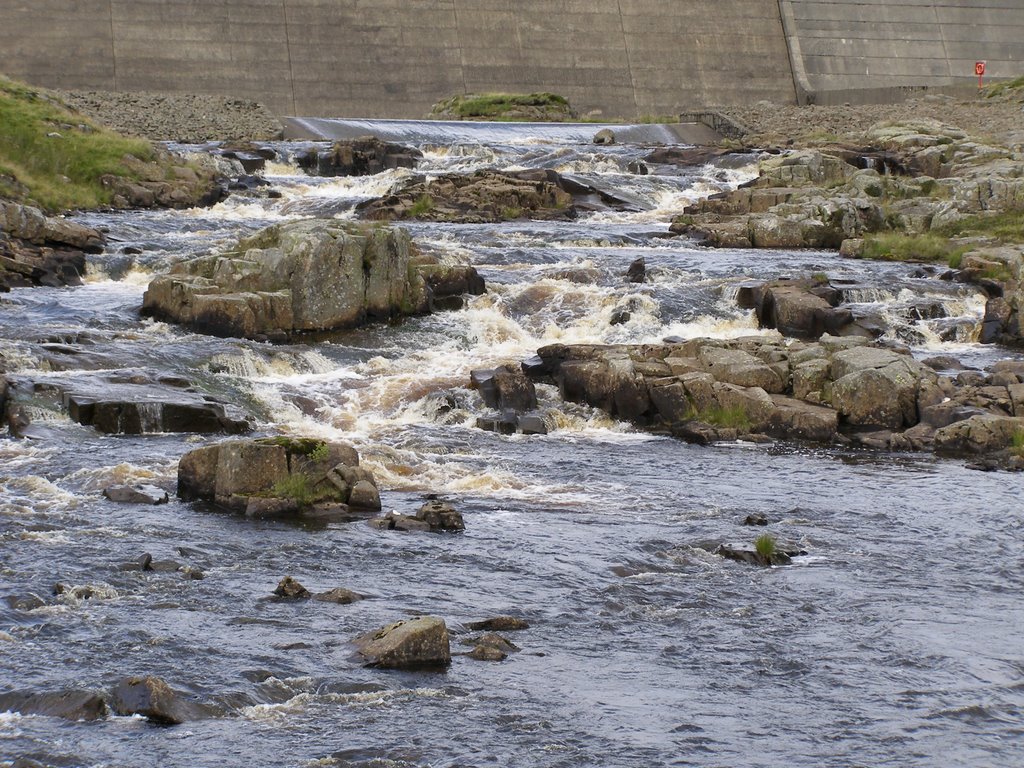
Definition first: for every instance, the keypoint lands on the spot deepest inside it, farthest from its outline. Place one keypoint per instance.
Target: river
(896, 641)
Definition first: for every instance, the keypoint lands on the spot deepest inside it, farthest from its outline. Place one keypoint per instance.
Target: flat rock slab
(136, 494)
(152, 698)
(67, 705)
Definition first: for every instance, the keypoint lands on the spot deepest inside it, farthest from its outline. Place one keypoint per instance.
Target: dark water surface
(897, 641)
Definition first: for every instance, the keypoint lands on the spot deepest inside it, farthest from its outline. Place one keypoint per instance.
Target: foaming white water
(37, 493)
(248, 364)
(98, 478)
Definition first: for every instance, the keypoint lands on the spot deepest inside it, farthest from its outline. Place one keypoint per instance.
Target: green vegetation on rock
(765, 547)
(548, 107)
(943, 243)
(1017, 444)
(729, 418)
(423, 205)
(53, 157)
(1004, 88)
(301, 490)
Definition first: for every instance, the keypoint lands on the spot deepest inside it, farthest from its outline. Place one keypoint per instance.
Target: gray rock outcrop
(836, 390)
(311, 275)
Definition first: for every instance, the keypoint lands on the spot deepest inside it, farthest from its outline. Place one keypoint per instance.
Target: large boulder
(311, 275)
(277, 476)
(419, 643)
(876, 387)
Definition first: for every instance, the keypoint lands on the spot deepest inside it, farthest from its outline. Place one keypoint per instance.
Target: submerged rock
(152, 698)
(419, 643)
(339, 595)
(136, 494)
(69, 704)
(290, 589)
(499, 624)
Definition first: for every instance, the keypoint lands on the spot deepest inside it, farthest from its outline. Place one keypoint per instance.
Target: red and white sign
(979, 68)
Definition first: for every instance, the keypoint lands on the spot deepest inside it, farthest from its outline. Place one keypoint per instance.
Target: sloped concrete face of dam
(615, 58)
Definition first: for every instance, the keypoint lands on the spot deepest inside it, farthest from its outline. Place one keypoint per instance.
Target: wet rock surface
(433, 516)
(364, 156)
(36, 249)
(420, 643)
(155, 700)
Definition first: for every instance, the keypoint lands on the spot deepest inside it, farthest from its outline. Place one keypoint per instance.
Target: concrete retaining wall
(394, 58)
(868, 49)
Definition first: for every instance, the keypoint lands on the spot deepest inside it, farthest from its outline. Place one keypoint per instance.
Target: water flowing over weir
(895, 641)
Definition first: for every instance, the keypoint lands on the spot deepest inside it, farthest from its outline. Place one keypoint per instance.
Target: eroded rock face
(434, 515)
(269, 477)
(36, 249)
(312, 275)
(420, 643)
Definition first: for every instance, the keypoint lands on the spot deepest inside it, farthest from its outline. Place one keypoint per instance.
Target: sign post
(979, 70)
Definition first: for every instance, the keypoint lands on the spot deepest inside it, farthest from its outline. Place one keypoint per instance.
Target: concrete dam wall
(615, 58)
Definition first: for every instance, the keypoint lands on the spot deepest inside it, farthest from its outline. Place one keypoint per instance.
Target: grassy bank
(53, 157)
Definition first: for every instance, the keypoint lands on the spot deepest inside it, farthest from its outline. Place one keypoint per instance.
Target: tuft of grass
(320, 453)
(424, 205)
(729, 418)
(54, 157)
(1017, 443)
(511, 212)
(303, 446)
(765, 547)
(299, 488)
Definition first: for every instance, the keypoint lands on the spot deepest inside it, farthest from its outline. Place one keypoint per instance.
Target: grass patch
(299, 488)
(1017, 443)
(53, 157)
(999, 89)
(1007, 227)
(511, 212)
(729, 418)
(496, 106)
(765, 547)
(893, 246)
(425, 204)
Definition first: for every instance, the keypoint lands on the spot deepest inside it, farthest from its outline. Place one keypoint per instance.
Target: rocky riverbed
(693, 415)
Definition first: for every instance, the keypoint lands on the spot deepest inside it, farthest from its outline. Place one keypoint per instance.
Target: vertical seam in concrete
(629, 62)
(113, 42)
(288, 49)
(942, 37)
(801, 85)
(462, 52)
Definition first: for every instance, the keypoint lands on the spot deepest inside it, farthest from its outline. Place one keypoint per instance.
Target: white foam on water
(98, 478)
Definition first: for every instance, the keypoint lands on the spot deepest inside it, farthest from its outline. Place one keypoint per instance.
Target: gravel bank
(190, 118)
(999, 119)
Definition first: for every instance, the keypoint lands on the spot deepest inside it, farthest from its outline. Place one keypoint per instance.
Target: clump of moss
(1017, 443)
(53, 157)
